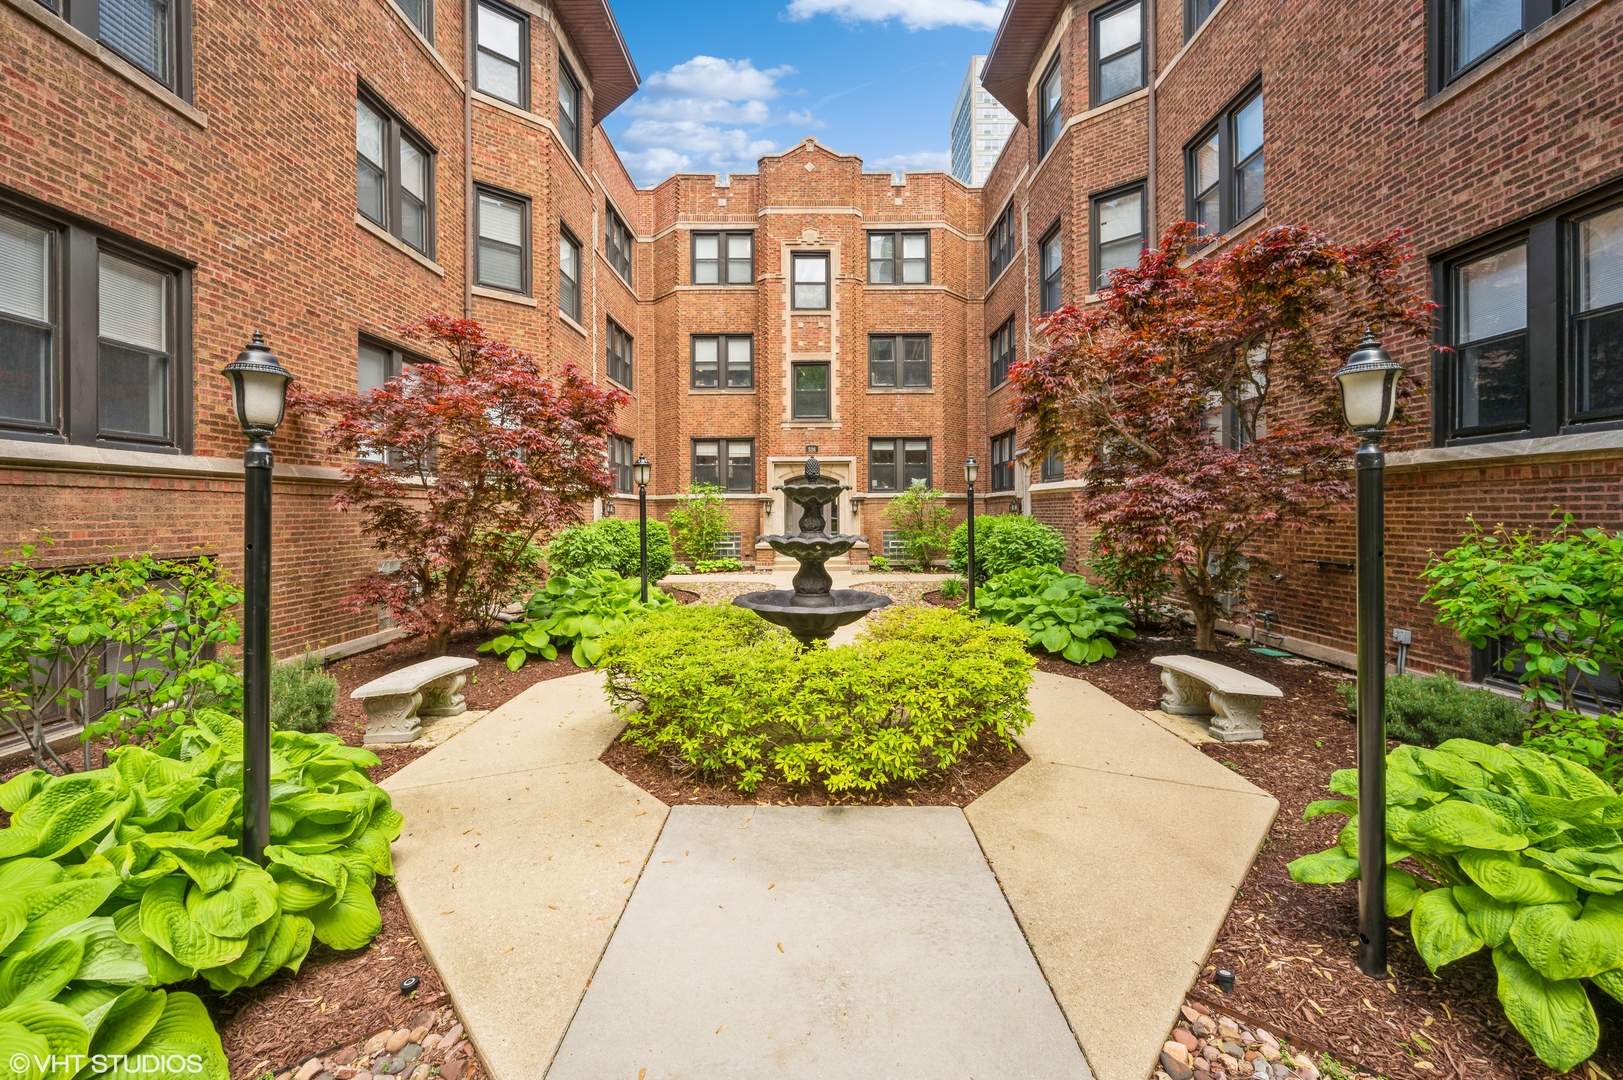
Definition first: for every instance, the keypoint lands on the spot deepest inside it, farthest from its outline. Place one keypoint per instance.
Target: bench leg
(1234, 717)
(443, 697)
(1185, 696)
(393, 719)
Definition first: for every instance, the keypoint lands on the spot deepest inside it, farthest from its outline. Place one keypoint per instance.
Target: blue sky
(724, 83)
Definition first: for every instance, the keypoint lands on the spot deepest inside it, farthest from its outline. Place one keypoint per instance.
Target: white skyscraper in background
(980, 127)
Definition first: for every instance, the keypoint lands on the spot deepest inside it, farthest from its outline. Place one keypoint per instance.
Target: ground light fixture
(1368, 384)
(259, 396)
(642, 470)
(972, 469)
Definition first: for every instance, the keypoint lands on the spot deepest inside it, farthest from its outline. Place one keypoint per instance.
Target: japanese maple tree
(461, 468)
(1255, 332)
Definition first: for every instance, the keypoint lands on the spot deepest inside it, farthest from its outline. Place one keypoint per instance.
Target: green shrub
(1058, 612)
(574, 613)
(923, 522)
(727, 565)
(1142, 581)
(698, 521)
(1429, 709)
(952, 588)
(1514, 851)
(878, 563)
(734, 696)
(1595, 742)
(611, 544)
(1004, 542)
(302, 694)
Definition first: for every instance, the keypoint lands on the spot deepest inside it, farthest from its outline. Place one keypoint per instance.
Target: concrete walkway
(1118, 850)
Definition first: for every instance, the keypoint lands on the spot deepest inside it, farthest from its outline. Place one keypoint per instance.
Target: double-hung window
(153, 35)
(899, 360)
(503, 256)
(394, 174)
(617, 243)
(1052, 266)
(809, 274)
(1116, 53)
(622, 452)
(725, 463)
(375, 364)
(1195, 14)
(421, 14)
(569, 108)
(1053, 467)
(135, 362)
(1003, 462)
(1469, 31)
(1000, 244)
(28, 319)
(1117, 232)
(1223, 167)
(811, 400)
(502, 50)
(1050, 109)
(723, 361)
(898, 258)
(1597, 316)
(721, 258)
(898, 464)
(619, 354)
(1002, 351)
(569, 277)
(1491, 331)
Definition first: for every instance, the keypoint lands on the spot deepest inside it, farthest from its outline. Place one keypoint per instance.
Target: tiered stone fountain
(813, 610)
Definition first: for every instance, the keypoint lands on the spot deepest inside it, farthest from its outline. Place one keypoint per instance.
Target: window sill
(901, 389)
(1230, 238)
(797, 423)
(1509, 54)
(891, 286)
(1510, 452)
(709, 391)
(488, 293)
(1114, 103)
(399, 245)
(616, 382)
(712, 288)
(1047, 486)
(61, 457)
(564, 317)
(424, 44)
(110, 60)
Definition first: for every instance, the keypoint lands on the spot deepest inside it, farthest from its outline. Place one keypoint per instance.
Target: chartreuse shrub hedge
(734, 696)
(1512, 850)
(118, 882)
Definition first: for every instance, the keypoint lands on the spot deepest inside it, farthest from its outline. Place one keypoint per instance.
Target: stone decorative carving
(1232, 698)
(396, 702)
(1185, 696)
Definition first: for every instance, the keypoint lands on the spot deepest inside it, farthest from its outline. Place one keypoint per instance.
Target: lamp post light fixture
(259, 397)
(1368, 384)
(972, 469)
(642, 470)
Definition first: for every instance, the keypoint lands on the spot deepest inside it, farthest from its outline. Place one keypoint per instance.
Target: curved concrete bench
(1196, 687)
(395, 702)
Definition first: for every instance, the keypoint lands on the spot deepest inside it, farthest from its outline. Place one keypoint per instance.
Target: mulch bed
(1291, 945)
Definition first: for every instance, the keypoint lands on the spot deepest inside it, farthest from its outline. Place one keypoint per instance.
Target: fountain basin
(815, 617)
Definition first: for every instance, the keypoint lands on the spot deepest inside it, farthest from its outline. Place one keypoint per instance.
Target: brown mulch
(1292, 946)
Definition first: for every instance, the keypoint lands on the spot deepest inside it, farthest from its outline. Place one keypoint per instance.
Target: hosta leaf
(21, 876)
(38, 974)
(1402, 890)
(1457, 825)
(30, 1049)
(127, 1020)
(62, 1030)
(184, 1036)
(59, 905)
(165, 921)
(231, 912)
(1324, 868)
(1562, 941)
(349, 920)
(1611, 982)
(516, 659)
(374, 842)
(1330, 806)
(297, 893)
(1503, 876)
(162, 967)
(1452, 768)
(326, 869)
(1490, 918)
(212, 812)
(1596, 871)
(209, 864)
(13, 918)
(16, 792)
(1442, 934)
(1344, 782)
(1494, 760)
(108, 958)
(1554, 1017)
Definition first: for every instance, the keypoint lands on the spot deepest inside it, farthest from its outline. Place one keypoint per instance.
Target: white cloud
(919, 161)
(710, 77)
(703, 115)
(913, 14)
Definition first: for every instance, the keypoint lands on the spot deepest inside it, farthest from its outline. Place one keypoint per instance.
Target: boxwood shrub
(611, 544)
(1005, 542)
(1429, 709)
(734, 696)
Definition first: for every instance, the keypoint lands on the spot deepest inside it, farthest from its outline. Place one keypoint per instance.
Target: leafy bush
(922, 521)
(952, 588)
(1513, 850)
(878, 563)
(574, 613)
(1061, 613)
(733, 695)
(1595, 742)
(698, 521)
(1004, 542)
(131, 877)
(1430, 709)
(727, 565)
(611, 544)
(1142, 579)
(302, 694)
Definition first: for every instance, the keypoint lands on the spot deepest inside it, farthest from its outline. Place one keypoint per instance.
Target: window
(501, 67)
(1002, 351)
(723, 258)
(1224, 168)
(1003, 462)
(376, 364)
(1051, 252)
(394, 174)
(1195, 14)
(569, 108)
(1116, 55)
(421, 14)
(621, 454)
(1473, 29)
(617, 243)
(1050, 110)
(898, 258)
(712, 352)
(1053, 467)
(810, 279)
(727, 463)
(911, 351)
(27, 325)
(568, 274)
(503, 223)
(134, 359)
(1491, 328)
(811, 392)
(1000, 244)
(730, 546)
(144, 32)
(1118, 232)
(1597, 317)
(898, 464)
(619, 354)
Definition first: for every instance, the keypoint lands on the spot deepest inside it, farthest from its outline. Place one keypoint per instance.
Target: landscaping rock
(1177, 1051)
(1174, 1068)
(1266, 1036)
(452, 1070)
(376, 1042)
(397, 1040)
(1202, 1027)
(308, 1070)
(1233, 1049)
(430, 1041)
(1228, 1028)
(1189, 1014)
(1187, 1038)
(418, 1033)
(452, 1036)
(410, 1052)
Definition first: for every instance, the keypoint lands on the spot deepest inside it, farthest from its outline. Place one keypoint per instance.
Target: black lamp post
(641, 470)
(1368, 399)
(259, 396)
(971, 470)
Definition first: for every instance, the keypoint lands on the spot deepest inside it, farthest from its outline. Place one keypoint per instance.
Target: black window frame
(619, 354)
(1441, 35)
(795, 258)
(1000, 476)
(396, 361)
(569, 131)
(1000, 349)
(724, 478)
(566, 235)
(898, 467)
(397, 131)
(1096, 276)
(1000, 244)
(1230, 213)
(1053, 468)
(73, 285)
(1050, 286)
(507, 11)
(795, 411)
(85, 17)
(617, 242)
(426, 27)
(622, 452)
(899, 360)
(1095, 61)
(724, 367)
(897, 262)
(1052, 122)
(526, 236)
(1195, 14)
(724, 267)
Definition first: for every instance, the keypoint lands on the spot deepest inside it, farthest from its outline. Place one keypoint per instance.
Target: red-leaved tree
(1130, 387)
(460, 467)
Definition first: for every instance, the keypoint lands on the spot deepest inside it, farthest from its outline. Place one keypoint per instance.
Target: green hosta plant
(574, 613)
(1059, 612)
(1511, 850)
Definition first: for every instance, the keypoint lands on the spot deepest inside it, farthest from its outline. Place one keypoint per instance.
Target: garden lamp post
(972, 469)
(641, 470)
(1368, 384)
(259, 396)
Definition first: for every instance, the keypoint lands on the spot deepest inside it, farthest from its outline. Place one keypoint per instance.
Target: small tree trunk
(441, 639)
(1205, 613)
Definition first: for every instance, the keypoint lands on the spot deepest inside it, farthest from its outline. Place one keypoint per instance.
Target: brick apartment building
(174, 176)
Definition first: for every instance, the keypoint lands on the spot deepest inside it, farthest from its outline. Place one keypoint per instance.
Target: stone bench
(395, 702)
(1196, 687)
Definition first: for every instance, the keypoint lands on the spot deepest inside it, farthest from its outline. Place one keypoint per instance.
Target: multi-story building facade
(980, 127)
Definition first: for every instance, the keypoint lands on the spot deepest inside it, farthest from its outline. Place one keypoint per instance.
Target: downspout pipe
(1151, 236)
(469, 243)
